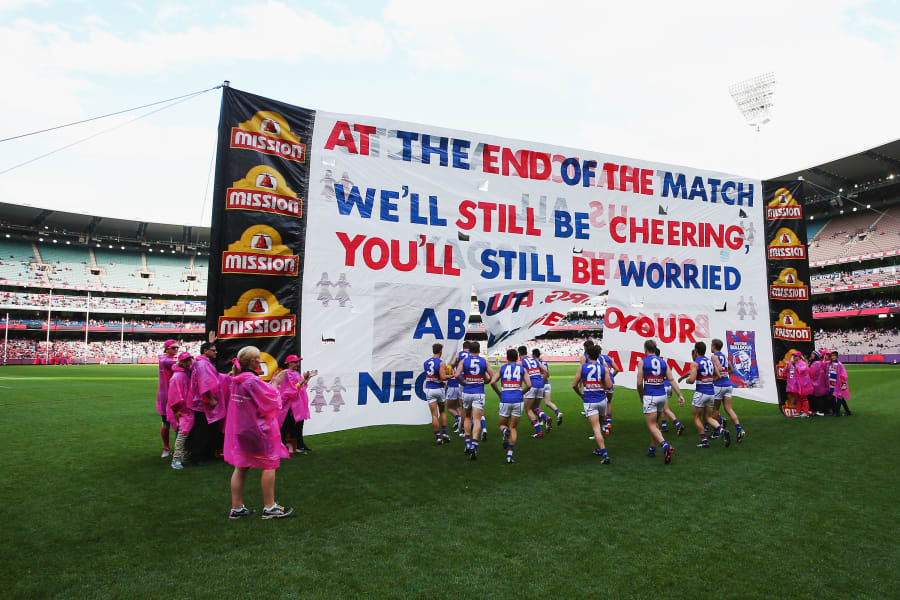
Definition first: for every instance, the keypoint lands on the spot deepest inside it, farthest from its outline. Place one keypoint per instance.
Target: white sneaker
(166, 453)
(590, 437)
(176, 464)
(276, 512)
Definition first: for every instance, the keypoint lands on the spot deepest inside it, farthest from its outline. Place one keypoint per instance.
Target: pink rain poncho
(837, 380)
(293, 398)
(819, 378)
(162, 390)
(205, 378)
(798, 382)
(179, 400)
(252, 435)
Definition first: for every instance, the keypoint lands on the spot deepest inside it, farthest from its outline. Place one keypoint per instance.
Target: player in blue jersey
(724, 389)
(667, 412)
(511, 376)
(559, 416)
(652, 373)
(591, 382)
(453, 391)
(536, 372)
(435, 375)
(613, 371)
(473, 373)
(704, 372)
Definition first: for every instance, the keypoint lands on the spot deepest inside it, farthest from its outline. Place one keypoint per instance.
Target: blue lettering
(428, 325)
(428, 149)
(367, 384)
(581, 225)
(672, 275)
(345, 205)
(563, 224)
(491, 268)
(690, 276)
(587, 172)
(655, 275)
(732, 278)
(387, 206)
(433, 212)
(676, 187)
(697, 189)
(460, 154)
(564, 171)
(407, 137)
(401, 387)
(456, 324)
(714, 191)
(414, 216)
(745, 195)
(726, 187)
(631, 273)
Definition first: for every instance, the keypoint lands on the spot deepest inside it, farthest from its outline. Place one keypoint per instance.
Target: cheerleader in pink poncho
(252, 437)
(799, 384)
(166, 361)
(178, 406)
(837, 385)
(295, 401)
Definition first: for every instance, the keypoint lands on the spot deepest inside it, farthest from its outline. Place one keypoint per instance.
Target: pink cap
(184, 355)
(292, 358)
(170, 343)
(798, 353)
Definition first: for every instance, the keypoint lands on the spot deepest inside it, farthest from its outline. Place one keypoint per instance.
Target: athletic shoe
(166, 453)
(468, 450)
(669, 451)
(680, 430)
(473, 454)
(848, 413)
(803, 416)
(703, 445)
(651, 453)
(598, 452)
(548, 425)
(539, 434)
(590, 437)
(663, 427)
(301, 451)
(740, 436)
(456, 427)
(484, 435)
(509, 460)
(505, 439)
(724, 421)
(176, 464)
(606, 430)
(727, 435)
(559, 420)
(240, 513)
(462, 433)
(439, 441)
(820, 414)
(306, 449)
(276, 512)
(605, 460)
(714, 435)
(445, 438)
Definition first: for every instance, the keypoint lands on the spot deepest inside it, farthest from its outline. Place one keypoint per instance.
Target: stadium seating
(15, 258)
(120, 268)
(69, 265)
(858, 234)
(168, 272)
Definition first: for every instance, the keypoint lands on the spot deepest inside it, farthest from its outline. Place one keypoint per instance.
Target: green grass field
(804, 508)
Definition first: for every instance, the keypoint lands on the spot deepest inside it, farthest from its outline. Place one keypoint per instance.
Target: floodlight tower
(754, 98)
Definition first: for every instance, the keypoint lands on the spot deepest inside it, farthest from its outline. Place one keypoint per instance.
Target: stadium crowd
(102, 303)
(856, 305)
(859, 341)
(75, 350)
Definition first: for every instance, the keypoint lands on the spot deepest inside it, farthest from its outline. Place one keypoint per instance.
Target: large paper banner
(404, 222)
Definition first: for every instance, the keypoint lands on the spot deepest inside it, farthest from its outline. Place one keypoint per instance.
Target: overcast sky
(647, 80)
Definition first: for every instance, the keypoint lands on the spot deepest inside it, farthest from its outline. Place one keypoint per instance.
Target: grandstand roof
(869, 177)
(94, 227)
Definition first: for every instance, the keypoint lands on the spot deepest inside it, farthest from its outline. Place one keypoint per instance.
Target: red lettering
(519, 162)
(364, 132)
(542, 170)
(486, 209)
(489, 159)
(610, 170)
(647, 182)
(369, 253)
(350, 247)
(465, 210)
(614, 230)
(341, 136)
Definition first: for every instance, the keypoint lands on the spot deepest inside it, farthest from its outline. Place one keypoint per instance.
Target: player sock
(444, 429)
(509, 450)
(504, 431)
(483, 423)
(541, 414)
(468, 441)
(665, 445)
(474, 445)
(556, 411)
(703, 438)
(738, 427)
(437, 433)
(603, 451)
(677, 423)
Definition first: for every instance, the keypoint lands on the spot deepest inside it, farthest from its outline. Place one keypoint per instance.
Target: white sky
(647, 80)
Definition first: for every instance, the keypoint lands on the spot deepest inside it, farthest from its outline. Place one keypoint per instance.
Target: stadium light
(754, 98)
(40, 239)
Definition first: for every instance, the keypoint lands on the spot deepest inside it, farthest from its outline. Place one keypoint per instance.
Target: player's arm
(488, 371)
(576, 385)
(607, 381)
(582, 360)
(640, 381)
(545, 374)
(442, 372)
(675, 387)
(458, 373)
(692, 376)
(527, 381)
(494, 380)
